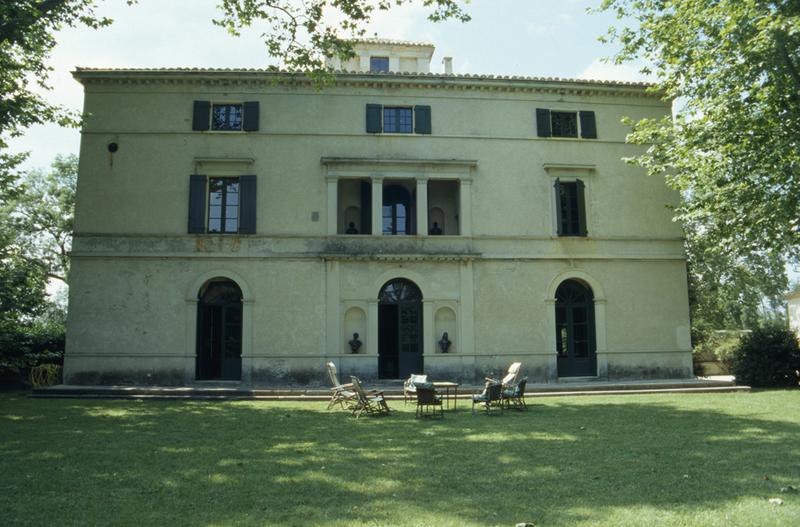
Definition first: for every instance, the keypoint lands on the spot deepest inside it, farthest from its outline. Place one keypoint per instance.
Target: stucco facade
(475, 163)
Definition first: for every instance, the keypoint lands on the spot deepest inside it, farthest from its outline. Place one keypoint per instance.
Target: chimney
(448, 65)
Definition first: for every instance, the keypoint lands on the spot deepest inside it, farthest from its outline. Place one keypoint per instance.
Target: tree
(298, 33)
(44, 213)
(302, 35)
(26, 39)
(733, 148)
(35, 234)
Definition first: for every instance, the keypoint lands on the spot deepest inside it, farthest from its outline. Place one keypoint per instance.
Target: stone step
(392, 392)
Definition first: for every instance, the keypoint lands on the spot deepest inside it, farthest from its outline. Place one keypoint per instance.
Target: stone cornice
(370, 161)
(258, 77)
(464, 257)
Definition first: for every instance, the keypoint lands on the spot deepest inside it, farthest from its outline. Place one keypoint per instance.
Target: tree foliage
(27, 29)
(303, 34)
(733, 148)
(43, 214)
(35, 233)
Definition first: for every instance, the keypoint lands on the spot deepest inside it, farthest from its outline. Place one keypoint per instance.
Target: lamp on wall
(355, 344)
(445, 343)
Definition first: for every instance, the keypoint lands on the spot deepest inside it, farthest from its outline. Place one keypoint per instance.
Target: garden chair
(428, 401)
(371, 403)
(490, 397)
(341, 394)
(511, 375)
(515, 395)
(409, 386)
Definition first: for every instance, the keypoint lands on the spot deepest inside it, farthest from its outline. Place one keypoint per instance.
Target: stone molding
(259, 77)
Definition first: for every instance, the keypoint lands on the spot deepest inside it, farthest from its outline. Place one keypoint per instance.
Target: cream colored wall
(136, 271)
(497, 130)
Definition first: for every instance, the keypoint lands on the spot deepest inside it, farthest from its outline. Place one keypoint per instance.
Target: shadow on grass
(256, 463)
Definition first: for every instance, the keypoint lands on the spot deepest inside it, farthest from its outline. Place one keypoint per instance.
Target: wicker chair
(341, 394)
(515, 395)
(410, 388)
(490, 397)
(371, 403)
(429, 404)
(511, 375)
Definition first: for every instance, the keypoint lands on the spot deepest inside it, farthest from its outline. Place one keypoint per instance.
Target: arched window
(398, 291)
(397, 210)
(575, 333)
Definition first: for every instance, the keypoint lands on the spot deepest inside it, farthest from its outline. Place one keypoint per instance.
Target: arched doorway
(575, 330)
(399, 329)
(219, 331)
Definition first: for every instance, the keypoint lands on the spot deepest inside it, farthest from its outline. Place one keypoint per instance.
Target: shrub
(767, 357)
(24, 346)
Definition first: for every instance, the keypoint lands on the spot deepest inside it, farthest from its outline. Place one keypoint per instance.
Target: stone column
(190, 351)
(467, 308)
(428, 336)
(600, 336)
(422, 206)
(552, 359)
(333, 340)
(372, 327)
(465, 208)
(247, 341)
(377, 206)
(333, 206)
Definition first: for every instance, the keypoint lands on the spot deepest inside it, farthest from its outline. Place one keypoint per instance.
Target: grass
(704, 459)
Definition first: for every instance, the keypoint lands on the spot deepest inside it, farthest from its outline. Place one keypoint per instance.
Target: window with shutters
(223, 204)
(398, 119)
(570, 208)
(225, 117)
(564, 124)
(552, 123)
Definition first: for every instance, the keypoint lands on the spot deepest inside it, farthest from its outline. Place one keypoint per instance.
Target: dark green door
(410, 338)
(575, 332)
(219, 331)
(232, 342)
(399, 330)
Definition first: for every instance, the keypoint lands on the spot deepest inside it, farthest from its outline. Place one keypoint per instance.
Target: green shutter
(250, 118)
(581, 208)
(422, 119)
(247, 207)
(588, 125)
(374, 121)
(201, 116)
(559, 212)
(197, 204)
(543, 122)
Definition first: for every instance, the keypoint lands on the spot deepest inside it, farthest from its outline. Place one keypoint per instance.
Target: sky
(540, 38)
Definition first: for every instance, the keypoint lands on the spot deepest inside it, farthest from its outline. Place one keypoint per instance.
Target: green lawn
(704, 459)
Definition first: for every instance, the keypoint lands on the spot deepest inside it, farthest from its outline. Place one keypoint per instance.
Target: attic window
(379, 64)
(226, 117)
